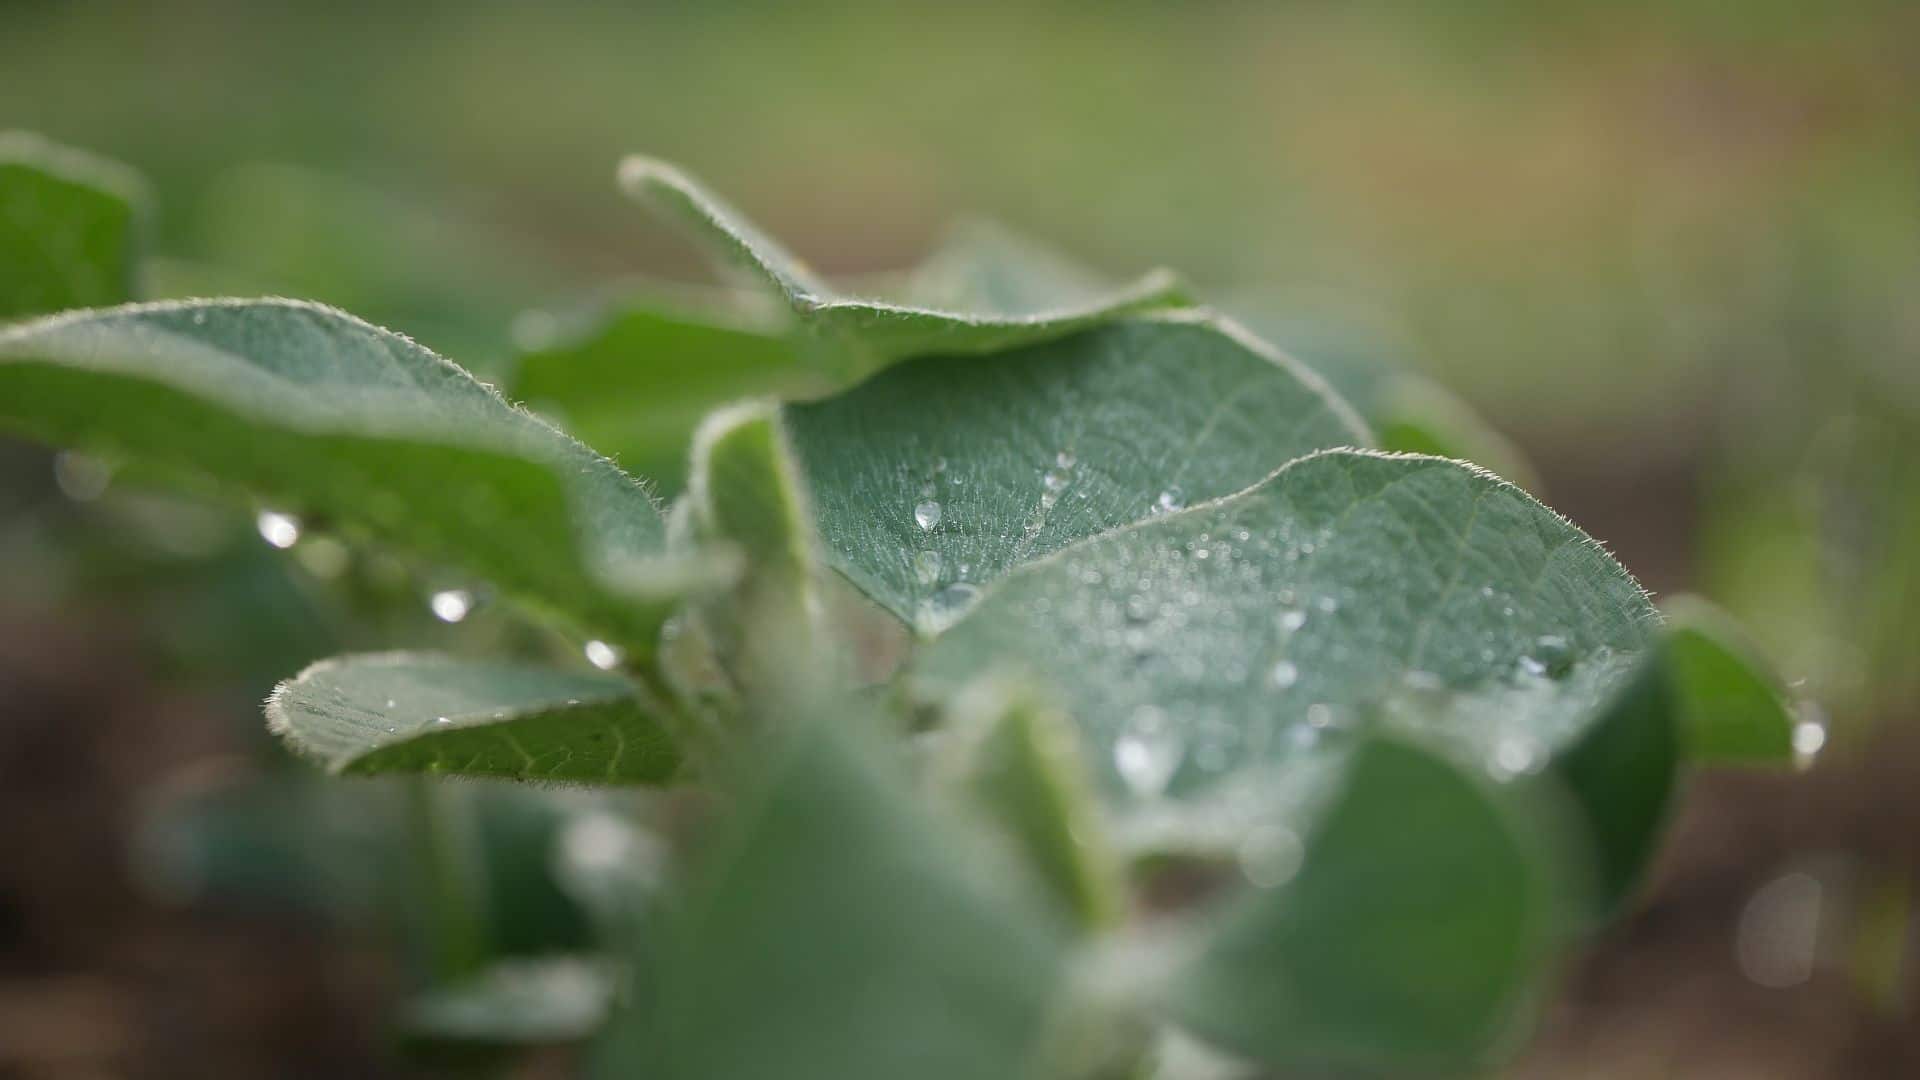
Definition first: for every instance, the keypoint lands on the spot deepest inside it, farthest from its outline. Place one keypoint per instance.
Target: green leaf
(1403, 931)
(321, 414)
(1215, 652)
(867, 334)
(70, 225)
(1733, 709)
(1022, 770)
(982, 267)
(634, 382)
(841, 930)
(936, 477)
(744, 491)
(420, 712)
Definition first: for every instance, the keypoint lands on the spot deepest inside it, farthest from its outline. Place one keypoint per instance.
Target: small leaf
(420, 712)
(868, 333)
(321, 414)
(935, 478)
(1022, 770)
(1220, 650)
(70, 224)
(744, 491)
(635, 382)
(1404, 933)
(1733, 709)
(982, 267)
(843, 931)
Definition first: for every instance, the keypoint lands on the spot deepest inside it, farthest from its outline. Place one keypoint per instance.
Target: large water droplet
(280, 530)
(1270, 856)
(927, 515)
(1283, 674)
(1292, 620)
(604, 656)
(1169, 500)
(1148, 752)
(451, 605)
(1550, 658)
(1516, 754)
(1809, 735)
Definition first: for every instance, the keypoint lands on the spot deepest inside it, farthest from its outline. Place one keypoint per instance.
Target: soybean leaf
(866, 334)
(983, 267)
(70, 225)
(1351, 590)
(420, 712)
(1733, 708)
(634, 382)
(320, 413)
(1021, 769)
(933, 479)
(1402, 931)
(842, 929)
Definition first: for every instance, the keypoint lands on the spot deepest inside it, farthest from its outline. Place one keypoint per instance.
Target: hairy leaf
(1351, 590)
(1403, 930)
(865, 334)
(69, 227)
(321, 414)
(421, 712)
(935, 478)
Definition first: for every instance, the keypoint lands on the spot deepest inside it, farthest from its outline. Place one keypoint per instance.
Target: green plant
(1053, 682)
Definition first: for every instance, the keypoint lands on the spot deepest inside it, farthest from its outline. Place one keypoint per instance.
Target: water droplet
(1148, 752)
(1809, 735)
(945, 607)
(1270, 856)
(1055, 480)
(1551, 657)
(1321, 716)
(450, 605)
(1327, 604)
(926, 567)
(1292, 620)
(604, 656)
(280, 530)
(1169, 500)
(81, 478)
(1065, 459)
(1283, 674)
(390, 703)
(927, 515)
(1516, 754)
(441, 720)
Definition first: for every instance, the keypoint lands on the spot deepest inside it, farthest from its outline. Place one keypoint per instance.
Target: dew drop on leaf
(1809, 735)
(604, 656)
(926, 567)
(927, 515)
(1065, 459)
(280, 530)
(1148, 752)
(1169, 500)
(1283, 674)
(945, 607)
(451, 605)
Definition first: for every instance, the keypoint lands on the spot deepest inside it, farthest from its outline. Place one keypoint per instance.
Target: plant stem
(449, 877)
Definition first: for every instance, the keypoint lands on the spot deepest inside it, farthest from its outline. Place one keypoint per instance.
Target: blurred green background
(1673, 250)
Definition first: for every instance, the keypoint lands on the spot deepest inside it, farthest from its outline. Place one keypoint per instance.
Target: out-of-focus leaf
(982, 267)
(1404, 932)
(841, 930)
(1733, 709)
(1022, 770)
(1203, 651)
(70, 227)
(634, 383)
(866, 334)
(320, 413)
(935, 478)
(419, 712)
